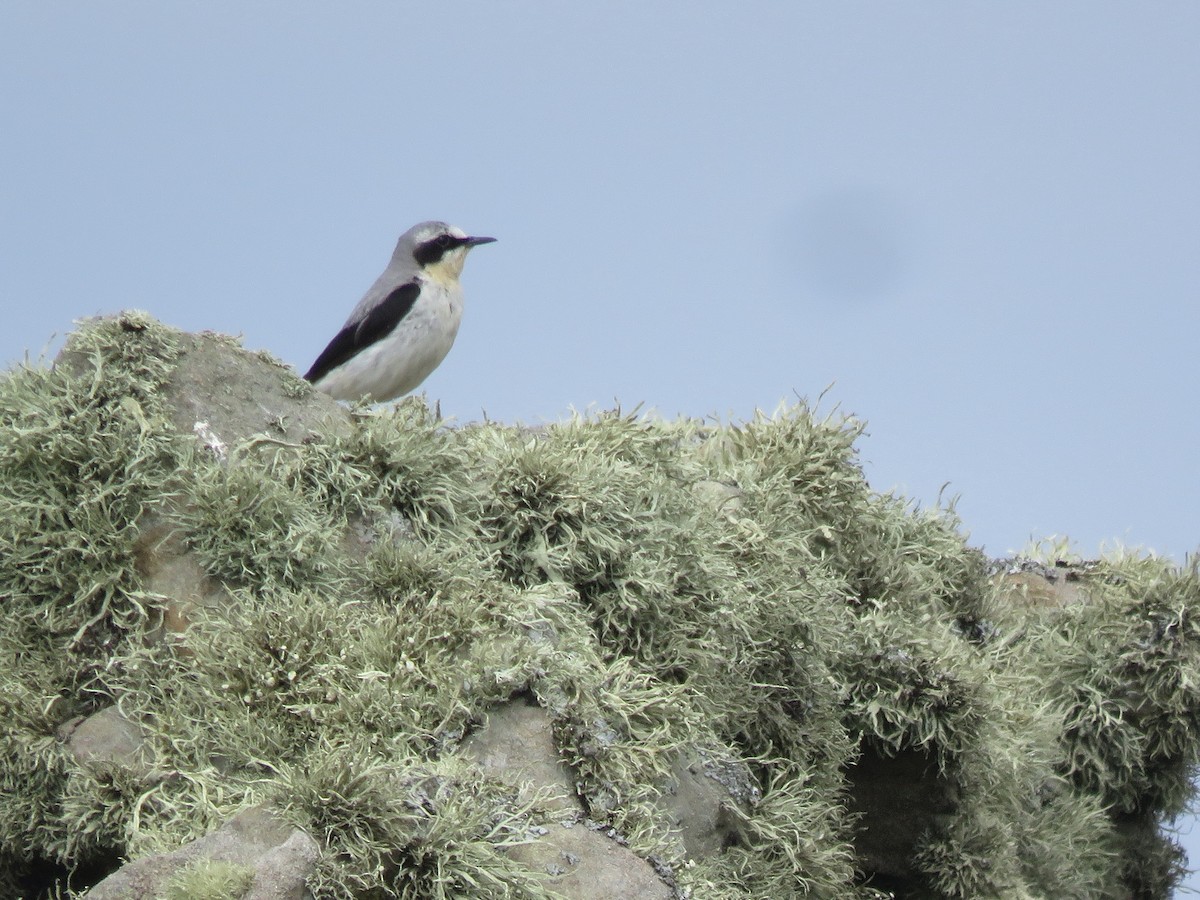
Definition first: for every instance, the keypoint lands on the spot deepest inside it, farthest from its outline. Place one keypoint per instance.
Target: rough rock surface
(281, 857)
(173, 575)
(703, 800)
(106, 738)
(516, 745)
(585, 863)
(224, 395)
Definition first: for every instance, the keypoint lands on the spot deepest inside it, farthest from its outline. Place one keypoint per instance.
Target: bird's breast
(443, 303)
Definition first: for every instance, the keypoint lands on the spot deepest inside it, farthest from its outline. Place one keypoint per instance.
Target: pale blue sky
(977, 221)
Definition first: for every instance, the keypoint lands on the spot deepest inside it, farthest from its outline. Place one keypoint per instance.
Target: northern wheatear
(403, 327)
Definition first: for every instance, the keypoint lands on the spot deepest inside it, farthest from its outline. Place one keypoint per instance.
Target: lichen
(655, 585)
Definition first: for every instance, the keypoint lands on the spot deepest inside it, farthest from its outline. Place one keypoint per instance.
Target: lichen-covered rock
(582, 861)
(106, 739)
(612, 656)
(706, 799)
(273, 860)
(516, 745)
(700, 802)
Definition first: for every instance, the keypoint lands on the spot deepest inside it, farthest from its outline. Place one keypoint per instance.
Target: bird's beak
(476, 241)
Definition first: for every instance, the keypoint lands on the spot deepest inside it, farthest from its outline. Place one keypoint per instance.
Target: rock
(224, 395)
(279, 859)
(703, 802)
(584, 863)
(1031, 583)
(720, 496)
(171, 573)
(703, 799)
(106, 738)
(516, 745)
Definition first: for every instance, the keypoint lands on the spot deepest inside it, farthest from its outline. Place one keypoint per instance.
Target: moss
(406, 829)
(794, 846)
(210, 879)
(656, 585)
(85, 450)
(250, 530)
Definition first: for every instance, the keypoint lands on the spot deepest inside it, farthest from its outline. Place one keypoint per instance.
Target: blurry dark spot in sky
(850, 244)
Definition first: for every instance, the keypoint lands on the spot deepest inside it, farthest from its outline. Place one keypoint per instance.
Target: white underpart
(402, 360)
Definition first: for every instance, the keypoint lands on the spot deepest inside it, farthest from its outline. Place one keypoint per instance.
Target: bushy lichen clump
(80, 460)
(657, 586)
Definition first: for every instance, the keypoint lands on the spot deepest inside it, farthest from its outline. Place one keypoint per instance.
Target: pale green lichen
(655, 585)
(210, 879)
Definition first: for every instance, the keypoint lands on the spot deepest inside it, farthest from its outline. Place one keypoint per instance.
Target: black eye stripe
(432, 250)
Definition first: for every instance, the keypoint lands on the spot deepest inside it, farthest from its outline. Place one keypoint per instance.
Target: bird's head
(439, 250)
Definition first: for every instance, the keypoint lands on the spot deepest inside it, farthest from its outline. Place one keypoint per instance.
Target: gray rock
(172, 573)
(516, 745)
(223, 394)
(583, 863)
(720, 496)
(706, 799)
(280, 856)
(107, 738)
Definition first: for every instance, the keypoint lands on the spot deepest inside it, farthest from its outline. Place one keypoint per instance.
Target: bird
(404, 325)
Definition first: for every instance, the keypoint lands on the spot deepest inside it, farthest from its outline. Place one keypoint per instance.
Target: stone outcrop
(268, 860)
(607, 658)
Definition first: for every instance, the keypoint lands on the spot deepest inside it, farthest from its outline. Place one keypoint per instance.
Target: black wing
(378, 324)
